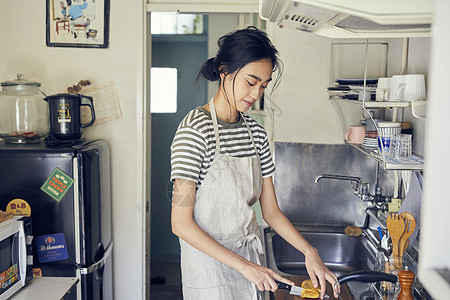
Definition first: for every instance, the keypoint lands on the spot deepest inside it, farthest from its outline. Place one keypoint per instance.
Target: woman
(215, 183)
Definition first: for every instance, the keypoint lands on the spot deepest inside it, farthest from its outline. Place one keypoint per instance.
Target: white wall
(302, 111)
(218, 25)
(23, 49)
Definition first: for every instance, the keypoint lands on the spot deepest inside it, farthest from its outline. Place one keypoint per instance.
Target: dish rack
(418, 111)
(415, 163)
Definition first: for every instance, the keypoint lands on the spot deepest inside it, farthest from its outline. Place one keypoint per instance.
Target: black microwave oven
(16, 256)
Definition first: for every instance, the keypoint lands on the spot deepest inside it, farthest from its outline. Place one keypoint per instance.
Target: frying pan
(367, 276)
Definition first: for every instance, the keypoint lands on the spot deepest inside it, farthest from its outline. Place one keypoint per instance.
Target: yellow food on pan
(308, 290)
(307, 284)
(310, 293)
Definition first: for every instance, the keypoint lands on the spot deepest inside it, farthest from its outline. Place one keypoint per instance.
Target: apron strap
(249, 133)
(216, 127)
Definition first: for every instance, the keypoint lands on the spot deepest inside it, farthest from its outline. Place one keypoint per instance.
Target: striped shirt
(194, 145)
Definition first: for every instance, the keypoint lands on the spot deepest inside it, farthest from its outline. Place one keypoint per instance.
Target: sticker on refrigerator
(51, 247)
(19, 207)
(37, 272)
(57, 184)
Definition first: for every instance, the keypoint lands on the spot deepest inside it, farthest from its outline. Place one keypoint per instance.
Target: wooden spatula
(396, 227)
(410, 225)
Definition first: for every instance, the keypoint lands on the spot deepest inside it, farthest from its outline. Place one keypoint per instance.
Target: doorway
(183, 54)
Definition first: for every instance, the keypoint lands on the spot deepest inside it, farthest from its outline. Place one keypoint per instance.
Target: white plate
(360, 88)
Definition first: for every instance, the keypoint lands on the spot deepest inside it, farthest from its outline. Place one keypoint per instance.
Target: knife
(293, 289)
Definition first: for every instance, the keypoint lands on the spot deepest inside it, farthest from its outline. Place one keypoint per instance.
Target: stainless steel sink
(341, 253)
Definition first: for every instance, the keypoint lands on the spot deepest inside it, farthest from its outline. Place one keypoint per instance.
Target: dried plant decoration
(79, 86)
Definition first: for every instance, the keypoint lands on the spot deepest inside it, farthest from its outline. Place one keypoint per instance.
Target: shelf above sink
(387, 104)
(414, 163)
(419, 107)
(374, 104)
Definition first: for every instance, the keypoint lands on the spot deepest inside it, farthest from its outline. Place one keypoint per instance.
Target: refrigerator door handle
(95, 266)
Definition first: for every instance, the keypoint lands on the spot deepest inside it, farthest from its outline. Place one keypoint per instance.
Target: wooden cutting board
(284, 294)
(5, 216)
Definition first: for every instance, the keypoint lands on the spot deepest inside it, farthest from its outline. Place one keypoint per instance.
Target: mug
(383, 82)
(387, 130)
(370, 125)
(382, 91)
(355, 134)
(382, 94)
(407, 87)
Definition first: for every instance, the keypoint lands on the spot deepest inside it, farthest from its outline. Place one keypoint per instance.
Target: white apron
(222, 209)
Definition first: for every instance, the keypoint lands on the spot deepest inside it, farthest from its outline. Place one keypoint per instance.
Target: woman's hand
(319, 273)
(264, 278)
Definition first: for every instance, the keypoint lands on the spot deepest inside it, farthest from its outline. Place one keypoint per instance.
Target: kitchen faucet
(361, 189)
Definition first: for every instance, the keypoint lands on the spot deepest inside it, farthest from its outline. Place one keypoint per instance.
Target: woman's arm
(184, 226)
(272, 214)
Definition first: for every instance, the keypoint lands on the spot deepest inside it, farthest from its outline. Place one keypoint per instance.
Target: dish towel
(413, 203)
(403, 179)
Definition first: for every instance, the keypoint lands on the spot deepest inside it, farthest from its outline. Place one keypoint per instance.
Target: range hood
(352, 18)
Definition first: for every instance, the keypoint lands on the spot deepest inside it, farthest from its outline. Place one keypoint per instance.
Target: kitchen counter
(46, 288)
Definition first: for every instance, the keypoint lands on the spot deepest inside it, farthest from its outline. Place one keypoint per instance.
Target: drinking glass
(405, 147)
(401, 146)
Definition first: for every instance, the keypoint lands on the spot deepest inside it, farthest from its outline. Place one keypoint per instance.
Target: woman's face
(246, 86)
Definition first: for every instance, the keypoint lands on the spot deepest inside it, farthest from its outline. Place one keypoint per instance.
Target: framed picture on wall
(77, 23)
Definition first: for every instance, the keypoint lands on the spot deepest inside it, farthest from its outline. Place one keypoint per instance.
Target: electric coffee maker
(65, 118)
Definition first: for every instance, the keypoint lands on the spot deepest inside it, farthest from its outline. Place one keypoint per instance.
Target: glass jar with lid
(23, 111)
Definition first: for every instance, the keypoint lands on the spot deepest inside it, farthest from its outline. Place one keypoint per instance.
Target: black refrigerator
(67, 192)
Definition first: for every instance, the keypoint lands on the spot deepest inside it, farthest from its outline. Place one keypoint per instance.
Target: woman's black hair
(237, 49)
